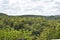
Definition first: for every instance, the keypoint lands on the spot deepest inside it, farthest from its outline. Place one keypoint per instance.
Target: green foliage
(15, 35)
(29, 28)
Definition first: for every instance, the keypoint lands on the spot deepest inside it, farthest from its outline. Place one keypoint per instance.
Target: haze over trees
(30, 27)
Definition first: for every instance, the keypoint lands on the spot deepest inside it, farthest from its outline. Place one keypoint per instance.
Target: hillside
(56, 17)
(2, 14)
(29, 27)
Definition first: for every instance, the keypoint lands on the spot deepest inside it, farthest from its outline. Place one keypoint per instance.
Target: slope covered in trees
(30, 27)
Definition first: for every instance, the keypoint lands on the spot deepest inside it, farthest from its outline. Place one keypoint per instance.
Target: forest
(29, 27)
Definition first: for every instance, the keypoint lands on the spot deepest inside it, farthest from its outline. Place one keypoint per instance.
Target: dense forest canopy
(29, 27)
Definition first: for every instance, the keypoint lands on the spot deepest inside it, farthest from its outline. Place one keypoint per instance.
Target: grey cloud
(5, 1)
(56, 7)
(58, 3)
(5, 6)
(43, 0)
(35, 0)
(38, 8)
(57, 12)
(48, 0)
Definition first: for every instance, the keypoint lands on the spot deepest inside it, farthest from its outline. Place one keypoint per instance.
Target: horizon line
(27, 14)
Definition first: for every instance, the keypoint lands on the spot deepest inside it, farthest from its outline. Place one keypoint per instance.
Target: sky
(30, 7)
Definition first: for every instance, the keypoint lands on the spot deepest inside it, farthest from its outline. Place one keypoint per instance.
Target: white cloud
(37, 7)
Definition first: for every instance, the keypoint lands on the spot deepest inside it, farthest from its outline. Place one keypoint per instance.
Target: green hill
(29, 27)
(2, 14)
(56, 17)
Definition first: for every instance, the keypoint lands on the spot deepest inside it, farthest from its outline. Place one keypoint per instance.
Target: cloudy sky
(30, 7)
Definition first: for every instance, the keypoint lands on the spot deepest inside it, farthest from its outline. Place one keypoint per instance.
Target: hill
(29, 27)
(2, 14)
(56, 17)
